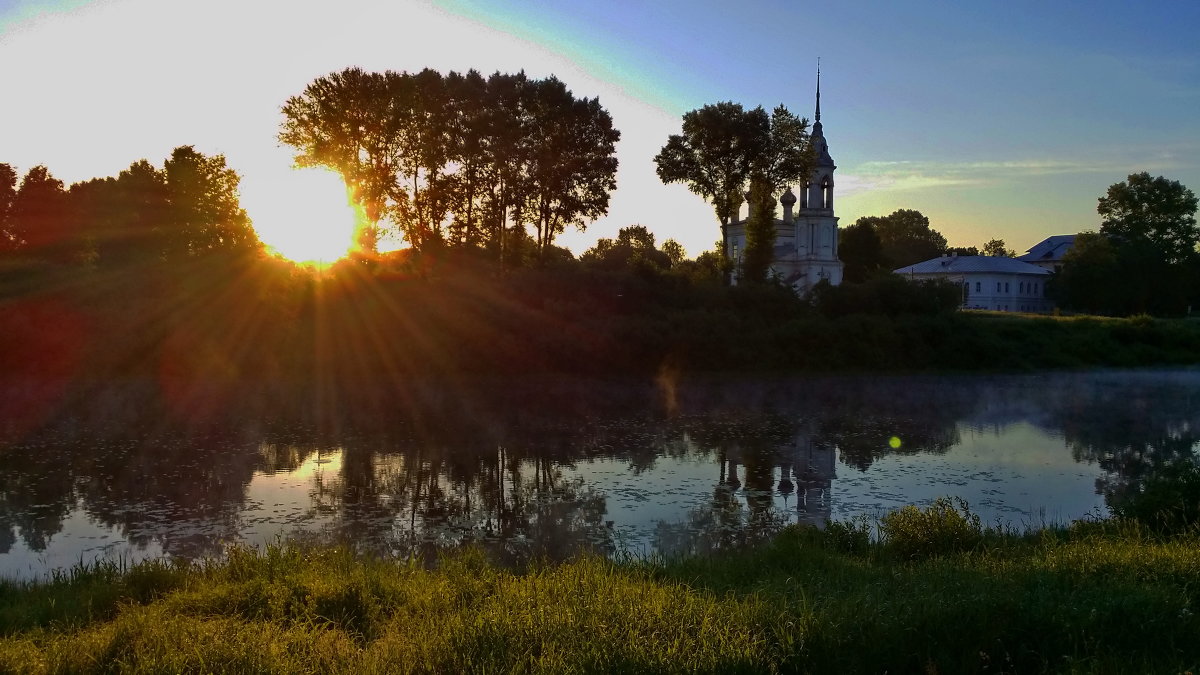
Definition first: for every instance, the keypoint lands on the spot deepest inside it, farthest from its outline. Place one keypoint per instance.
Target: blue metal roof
(1050, 249)
(973, 263)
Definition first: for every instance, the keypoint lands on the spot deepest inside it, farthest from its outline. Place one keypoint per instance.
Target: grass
(932, 592)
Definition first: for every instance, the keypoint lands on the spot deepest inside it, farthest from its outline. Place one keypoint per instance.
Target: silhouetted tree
(995, 247)
(573, 165)
(674, 252)
(906, 237)
(1089, 280)
(8, 194)
(204, 207)
(342, 122)
(1155, 213)
(39, 217)
(962, 250)
(861, 251)
(722, 145)
(760, 232)
(633, 247)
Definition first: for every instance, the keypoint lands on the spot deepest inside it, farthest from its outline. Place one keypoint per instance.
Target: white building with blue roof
(989, 282)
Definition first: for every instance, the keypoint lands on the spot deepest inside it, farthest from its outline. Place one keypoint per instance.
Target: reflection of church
(806, 470)
(805, 239)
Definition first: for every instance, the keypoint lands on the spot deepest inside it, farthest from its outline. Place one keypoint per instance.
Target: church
(806, 238)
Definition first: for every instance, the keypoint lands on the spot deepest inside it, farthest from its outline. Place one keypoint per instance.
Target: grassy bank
(937, 594)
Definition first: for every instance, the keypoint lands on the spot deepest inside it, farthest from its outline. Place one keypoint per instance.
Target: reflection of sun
(307, 217)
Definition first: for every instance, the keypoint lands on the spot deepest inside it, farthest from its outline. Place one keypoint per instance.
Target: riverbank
(937, 594)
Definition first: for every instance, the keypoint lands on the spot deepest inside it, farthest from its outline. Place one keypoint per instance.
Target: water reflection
(548, 469)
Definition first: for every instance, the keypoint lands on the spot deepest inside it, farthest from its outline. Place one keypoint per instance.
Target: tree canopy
(723, 146)
(1151, 212)
(1144, 257)
(861, 251)
(905, 237)
(997, 248)
(457, 159)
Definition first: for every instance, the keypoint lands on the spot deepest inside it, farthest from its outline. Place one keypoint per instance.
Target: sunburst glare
(304, 215)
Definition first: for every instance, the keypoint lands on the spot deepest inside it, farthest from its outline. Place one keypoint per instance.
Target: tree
(995, 247)
(906, 237)
(457, 160)
(573, 166)
(633, 247)
(8, 194)
(1090, 279)
(205, 212)
(861, 251)
(723, 145)
(39, 214)
(760, 232)
(962, 250)
(1152, 212)
(674, 252)
(342, 121)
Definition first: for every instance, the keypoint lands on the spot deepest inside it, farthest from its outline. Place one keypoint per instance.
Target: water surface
(548, 468)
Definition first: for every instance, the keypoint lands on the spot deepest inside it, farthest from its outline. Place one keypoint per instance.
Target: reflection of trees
(1132, 432)
(463, 465)
(424, 498)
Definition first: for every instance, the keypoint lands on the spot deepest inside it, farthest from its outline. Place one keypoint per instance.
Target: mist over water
(546, 468)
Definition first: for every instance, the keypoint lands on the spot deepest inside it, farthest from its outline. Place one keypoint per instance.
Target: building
(805, 238)
(1000, 284)
(1048, 254)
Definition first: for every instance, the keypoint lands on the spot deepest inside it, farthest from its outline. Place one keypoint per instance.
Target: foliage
(1144, 258)
(996, 247)
(1097, 598)
(906, 237)
(723, 146)
(887, 294)
(1156, 213)
(38, 218)
(458, 159)
(945, 526)
(8, 194)
(760, 233)
(861, 251)
(633, 248)
(1168, 501)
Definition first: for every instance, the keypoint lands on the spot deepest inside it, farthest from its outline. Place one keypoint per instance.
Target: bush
(1169, 501)
(850, 536)
(946, 526)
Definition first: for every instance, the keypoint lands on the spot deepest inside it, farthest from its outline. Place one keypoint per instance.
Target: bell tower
(816, 226)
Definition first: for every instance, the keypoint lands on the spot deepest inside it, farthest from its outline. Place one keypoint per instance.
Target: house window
(1006, 288)
(1022, 288)
(978, 286)
(999, 287)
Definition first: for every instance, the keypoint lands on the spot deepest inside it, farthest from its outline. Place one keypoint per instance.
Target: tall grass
(1112, 596)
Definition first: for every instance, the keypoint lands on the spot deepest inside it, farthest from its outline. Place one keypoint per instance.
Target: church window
(827, 193)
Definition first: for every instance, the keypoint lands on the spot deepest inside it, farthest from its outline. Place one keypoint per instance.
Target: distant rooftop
(1051, 249)
(972, 263)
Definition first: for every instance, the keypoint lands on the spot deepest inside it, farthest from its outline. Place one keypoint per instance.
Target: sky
(994, 119)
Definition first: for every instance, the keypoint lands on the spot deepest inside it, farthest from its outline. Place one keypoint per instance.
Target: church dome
(788, 199)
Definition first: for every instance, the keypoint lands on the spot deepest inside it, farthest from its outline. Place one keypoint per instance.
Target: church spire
(818, 89)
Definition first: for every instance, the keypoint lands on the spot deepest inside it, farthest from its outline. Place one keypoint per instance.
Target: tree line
(187, 208)
(458, 160)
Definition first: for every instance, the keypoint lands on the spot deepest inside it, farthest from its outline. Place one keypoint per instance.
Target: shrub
(851, 536)
(1168, 502)
(946, 526)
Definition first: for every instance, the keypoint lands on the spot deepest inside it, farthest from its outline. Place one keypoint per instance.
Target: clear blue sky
(995, 119)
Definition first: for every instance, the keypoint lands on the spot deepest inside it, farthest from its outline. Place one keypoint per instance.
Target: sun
(304, 215)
